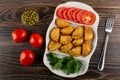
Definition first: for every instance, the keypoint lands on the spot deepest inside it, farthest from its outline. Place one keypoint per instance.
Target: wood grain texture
(10, 19)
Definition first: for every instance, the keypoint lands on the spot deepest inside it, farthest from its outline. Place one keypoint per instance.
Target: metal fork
(108, 30)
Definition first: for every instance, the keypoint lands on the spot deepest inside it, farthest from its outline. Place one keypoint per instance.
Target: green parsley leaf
(58, 64)
(52, 58)
(65, 61)
(68, 64)
(70, 67)
(77, 66)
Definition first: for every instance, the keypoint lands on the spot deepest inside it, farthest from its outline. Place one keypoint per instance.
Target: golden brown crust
(75, 51)
(89, 35)
(78, 42)
(65, 48)
(55, 33)
(78, 32)
(53, 45)
(86, 49)
(67, 31)
(62, 23)
(65, 39)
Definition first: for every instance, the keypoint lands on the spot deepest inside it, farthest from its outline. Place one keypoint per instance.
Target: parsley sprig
(68, 64)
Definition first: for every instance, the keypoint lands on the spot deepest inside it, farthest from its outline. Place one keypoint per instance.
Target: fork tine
(110, 20)
(110, 23)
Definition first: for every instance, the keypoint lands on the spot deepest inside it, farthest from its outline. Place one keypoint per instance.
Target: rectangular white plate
(85, 60)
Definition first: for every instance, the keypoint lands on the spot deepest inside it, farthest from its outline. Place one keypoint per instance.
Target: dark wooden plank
(11, 69)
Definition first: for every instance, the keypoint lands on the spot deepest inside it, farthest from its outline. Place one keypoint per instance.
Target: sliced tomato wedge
(65, 14)
(70, 12)
(79, 15)
(74, 15)
(88, 18)
(60, 11)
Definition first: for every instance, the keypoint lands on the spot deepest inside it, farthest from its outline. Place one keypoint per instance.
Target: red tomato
(27, 57)
(74, 16)
(88, 18)
(36, 40)
(79, 15)
(65, 14)
(70, 12)
(19, 35)
(60, 11)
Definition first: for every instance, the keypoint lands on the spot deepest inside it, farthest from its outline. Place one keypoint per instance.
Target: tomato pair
(19, 35)
(76, 15)
(36, 40)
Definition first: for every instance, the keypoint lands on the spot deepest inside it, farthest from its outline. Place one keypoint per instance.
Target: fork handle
(101, 62)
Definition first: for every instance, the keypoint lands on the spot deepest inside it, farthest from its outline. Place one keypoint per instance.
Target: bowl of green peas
(30, 17)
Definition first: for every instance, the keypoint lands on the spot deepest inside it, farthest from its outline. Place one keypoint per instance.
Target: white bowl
(85, 60)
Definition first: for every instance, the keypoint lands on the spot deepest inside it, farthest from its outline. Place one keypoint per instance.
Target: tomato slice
(79, 15)
(74, 16)
(65, 14)
(60, 11)
(70, 12)
(88, 18)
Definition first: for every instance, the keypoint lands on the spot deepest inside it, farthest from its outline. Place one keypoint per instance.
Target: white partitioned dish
(85, 60)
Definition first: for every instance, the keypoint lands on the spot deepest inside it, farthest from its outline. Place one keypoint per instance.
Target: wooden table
(10, 19)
